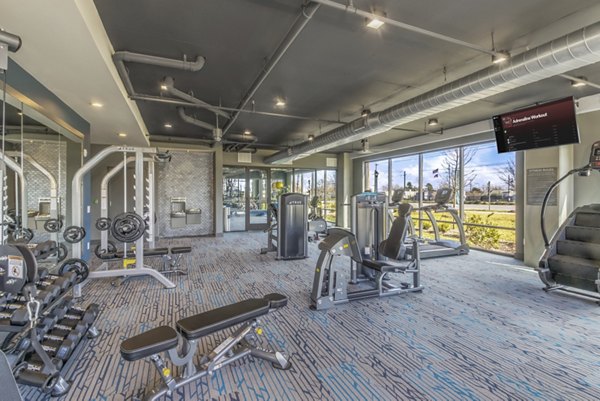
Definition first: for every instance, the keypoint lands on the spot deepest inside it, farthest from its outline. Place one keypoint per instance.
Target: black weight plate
(74, 234)
(128, 227)
(63, 251)
(77, 266)
(103, 223)
(53, 225)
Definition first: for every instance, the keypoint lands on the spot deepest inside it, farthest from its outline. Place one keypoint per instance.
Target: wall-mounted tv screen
(548, 124)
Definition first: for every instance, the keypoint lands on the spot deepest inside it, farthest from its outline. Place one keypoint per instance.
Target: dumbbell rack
(38, 354)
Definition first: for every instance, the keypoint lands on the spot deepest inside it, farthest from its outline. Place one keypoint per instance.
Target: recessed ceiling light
(280, 102)
(97, 104)
(122, 134)
(581, 81)
(432, 122)
(500, 56)
(375, 23)
(311, 138)
(247, 132)
(168, 125)
(20, 113)
(163, 87)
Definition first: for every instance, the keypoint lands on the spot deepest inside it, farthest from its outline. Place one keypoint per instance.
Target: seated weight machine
(316, 224)
(332, 283)
(129, 226)
(288, 235)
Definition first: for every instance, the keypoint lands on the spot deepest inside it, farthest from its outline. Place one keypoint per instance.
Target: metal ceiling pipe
(184, 64)
(575, 50)
(192, 120)
(305, 15)
(168, 84)
(175, 139)
(354, 10)
(12, 41)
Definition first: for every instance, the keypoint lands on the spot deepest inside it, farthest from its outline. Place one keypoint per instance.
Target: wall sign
(538, 182)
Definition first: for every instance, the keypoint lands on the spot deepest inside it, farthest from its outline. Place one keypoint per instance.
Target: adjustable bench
(240, 344)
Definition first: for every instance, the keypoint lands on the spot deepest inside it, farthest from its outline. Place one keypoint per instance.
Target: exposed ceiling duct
(194, 121)
(235, 138)
(120, 57)
(575, 50)
(13, 42)
(168, 85)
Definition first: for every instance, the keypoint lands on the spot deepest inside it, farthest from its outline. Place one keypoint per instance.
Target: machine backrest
(394, 246)
(443, 196)
(397, 196)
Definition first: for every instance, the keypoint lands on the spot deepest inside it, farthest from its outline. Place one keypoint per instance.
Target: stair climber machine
(316, 224)
(332, 283)
(443, 247)
(288, 232)
(571, 260)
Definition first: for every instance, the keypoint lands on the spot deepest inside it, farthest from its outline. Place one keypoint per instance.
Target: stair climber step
(586, 250)
(587, 219)
(582, 233)
(575, 272)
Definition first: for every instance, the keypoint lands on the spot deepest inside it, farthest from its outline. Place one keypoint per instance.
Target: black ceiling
(334, 68)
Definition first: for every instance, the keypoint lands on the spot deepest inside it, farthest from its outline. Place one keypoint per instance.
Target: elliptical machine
(316, 224)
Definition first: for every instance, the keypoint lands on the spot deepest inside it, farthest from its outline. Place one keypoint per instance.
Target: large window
(377, 176)
(489, 198)
(486, 205)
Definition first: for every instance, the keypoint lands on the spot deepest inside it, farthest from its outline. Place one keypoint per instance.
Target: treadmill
(439, 247)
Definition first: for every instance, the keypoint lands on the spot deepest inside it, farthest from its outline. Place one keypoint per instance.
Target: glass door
(234, 199)
(257, 201)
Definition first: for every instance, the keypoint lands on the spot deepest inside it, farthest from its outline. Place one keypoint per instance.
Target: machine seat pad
(383, 266)
(148, 343)
(156, 251)
(206, 323)
(181, 249)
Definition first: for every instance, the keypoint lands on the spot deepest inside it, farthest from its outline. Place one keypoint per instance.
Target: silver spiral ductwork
(575, 50)
(13, 42)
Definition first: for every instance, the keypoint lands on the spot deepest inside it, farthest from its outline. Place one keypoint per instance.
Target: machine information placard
(538, 182)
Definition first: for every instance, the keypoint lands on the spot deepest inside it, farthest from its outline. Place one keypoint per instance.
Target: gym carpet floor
(481, 330)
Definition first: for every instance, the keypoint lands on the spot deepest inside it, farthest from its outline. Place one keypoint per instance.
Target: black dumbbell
(63, 283)
(74, 335)
(16, 312)
(71, 324)
(59, 349)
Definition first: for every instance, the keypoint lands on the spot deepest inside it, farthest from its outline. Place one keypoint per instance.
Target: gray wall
(188, 175)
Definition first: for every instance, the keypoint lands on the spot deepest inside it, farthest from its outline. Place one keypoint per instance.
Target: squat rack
(77, 218)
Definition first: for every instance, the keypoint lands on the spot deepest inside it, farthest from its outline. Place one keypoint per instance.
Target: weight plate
(77, 266)
(74, 234)
(110, 249)
(24, 234)
(103, 224)
(53, 225)
(128, 227)
(62, 252)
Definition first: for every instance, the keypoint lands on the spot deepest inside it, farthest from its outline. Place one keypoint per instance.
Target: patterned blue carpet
(481, 330)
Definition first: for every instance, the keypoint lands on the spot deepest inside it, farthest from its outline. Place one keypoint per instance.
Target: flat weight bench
(148, 252)
(172, 262)
(240, 344)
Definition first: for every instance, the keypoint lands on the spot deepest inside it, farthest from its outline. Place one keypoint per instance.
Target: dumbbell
(59, 349)
(74, 335)
(16, 313)
(87, 315)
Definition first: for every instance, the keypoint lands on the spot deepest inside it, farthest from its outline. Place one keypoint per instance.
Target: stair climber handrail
(585, 169)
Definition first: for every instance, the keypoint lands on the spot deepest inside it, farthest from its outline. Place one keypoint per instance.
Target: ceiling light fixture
(581, 81)
(168, 125)
(311, 138)
(432, 122)
(365, 112)
(163, 87)
(500, 56)
(97, 105)
(122, 134)
(375, 23)
(364, 145)
(280, 102)
(247, 132)
(20, 113)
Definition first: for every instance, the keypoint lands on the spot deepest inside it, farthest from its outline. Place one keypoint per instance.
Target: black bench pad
(181, 249)
(206, 323)
(149, 343)
(156, 251)
(383, 266)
